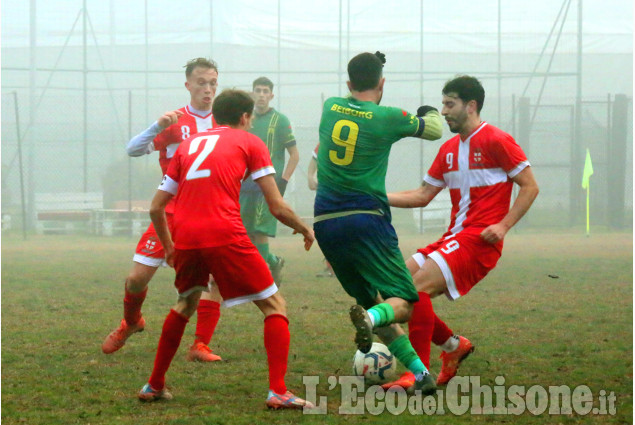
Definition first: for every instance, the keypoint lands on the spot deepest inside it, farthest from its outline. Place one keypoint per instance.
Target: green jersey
(274, 129)
(355, 142)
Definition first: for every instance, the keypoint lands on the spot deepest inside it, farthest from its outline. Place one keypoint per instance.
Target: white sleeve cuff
(168, 185)
(520, 167)
(434, 182)
(262, 172)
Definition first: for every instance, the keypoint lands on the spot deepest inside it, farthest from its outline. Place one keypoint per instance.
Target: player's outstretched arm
(282, 211)
(414, 198)
(526, 196)
(141, 144)
(157, 215)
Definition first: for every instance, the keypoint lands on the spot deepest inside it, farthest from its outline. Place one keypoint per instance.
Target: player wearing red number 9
(479, 166)
(464, 260)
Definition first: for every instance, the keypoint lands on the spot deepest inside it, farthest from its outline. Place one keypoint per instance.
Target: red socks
(171, 335)
(277, 340)
(441, 331)
(208, 313)
(425, 326)
(132, 306)
(421, 326)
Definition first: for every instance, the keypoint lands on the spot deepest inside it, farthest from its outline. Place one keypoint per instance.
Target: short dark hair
(199, 63)
(466, 88)
(365, 70)
(262, 81)
(230, 105)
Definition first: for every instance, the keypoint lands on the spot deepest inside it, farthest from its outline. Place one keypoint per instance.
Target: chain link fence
(66, 151)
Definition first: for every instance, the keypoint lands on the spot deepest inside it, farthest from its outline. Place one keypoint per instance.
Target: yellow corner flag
(588, 170)
(586, 176)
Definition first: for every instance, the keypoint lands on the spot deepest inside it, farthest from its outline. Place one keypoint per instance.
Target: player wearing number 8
(352, 216)
(164, 136)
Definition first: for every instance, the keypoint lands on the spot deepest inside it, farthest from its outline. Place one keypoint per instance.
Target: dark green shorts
(255, 214)
(364, 253)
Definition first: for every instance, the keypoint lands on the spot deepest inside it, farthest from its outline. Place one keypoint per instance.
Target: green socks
(381, 315)
(263, 249)
(402, 349)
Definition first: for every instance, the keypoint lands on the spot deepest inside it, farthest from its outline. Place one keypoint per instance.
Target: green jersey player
(352, 216)
(274, 129)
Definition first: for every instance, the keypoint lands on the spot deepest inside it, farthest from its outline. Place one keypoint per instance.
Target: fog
(80, 78)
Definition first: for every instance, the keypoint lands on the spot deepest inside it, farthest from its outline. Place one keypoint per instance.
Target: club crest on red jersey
(477, 158)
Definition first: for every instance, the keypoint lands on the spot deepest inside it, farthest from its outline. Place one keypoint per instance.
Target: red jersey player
(208, 236)
(164, 136)
(479, 166)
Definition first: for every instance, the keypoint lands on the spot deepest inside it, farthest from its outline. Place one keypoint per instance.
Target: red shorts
(464, 259)
(149, 249)
(238, 269)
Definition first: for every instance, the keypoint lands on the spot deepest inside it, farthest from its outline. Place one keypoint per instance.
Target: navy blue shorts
(364, 253)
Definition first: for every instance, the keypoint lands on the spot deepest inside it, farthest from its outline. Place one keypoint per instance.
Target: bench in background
(126, 218)
(66, 212)
(84, 212)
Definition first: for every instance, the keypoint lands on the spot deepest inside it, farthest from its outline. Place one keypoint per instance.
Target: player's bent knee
(279, 304)
(274, 304)
(139, 277)
(186, 306)
(136, 284)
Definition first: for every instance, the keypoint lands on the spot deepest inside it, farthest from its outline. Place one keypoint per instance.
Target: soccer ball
(378, 366)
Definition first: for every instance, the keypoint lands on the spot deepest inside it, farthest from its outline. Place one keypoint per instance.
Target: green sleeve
(405, 123)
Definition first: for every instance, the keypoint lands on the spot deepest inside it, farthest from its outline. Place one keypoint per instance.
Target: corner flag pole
(586, 177)
(588, 229)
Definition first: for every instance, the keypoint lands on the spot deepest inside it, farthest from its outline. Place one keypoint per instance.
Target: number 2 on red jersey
(210, 144)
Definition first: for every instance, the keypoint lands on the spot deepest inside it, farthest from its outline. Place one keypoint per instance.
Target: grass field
(62, 295)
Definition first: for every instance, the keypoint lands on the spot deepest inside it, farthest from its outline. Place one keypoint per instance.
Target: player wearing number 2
(352, 216)
(479, 166)
(208, 236)
(164, 136)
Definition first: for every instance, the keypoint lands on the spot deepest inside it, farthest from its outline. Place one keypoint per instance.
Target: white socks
(451, 344)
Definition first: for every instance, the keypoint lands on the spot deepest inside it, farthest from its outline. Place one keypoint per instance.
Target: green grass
(62, 295)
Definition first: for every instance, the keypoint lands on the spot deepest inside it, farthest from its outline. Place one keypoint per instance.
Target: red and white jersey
(205, 174)
(169, 139)
(478, 172)
(188, 125)
(315, 151)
